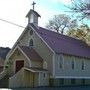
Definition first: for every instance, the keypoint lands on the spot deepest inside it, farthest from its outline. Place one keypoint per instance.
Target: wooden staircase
(17, 79)
(4, 80)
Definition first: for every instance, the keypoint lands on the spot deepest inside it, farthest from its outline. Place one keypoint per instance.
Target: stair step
(4, 82)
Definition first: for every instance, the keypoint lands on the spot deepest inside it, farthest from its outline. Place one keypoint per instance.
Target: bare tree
(82, 7)
(61, 22)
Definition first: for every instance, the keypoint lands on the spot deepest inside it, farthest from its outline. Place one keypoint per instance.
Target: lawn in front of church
(54, 88)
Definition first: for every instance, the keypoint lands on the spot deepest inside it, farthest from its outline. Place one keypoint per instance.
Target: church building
(41, 57)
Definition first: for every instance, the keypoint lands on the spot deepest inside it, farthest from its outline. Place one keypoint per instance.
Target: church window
(45, 65)
(44, 75)
(72, 64)
(83, 67)
(31, 32)
(61, 61)
(31, 43)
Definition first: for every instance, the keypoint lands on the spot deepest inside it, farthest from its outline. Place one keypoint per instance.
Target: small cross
(33, 4)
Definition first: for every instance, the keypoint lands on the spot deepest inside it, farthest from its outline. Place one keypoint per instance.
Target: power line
(11, 23)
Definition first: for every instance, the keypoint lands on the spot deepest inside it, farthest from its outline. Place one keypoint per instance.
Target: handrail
(2, 74)
(16, 74)
(16, 78)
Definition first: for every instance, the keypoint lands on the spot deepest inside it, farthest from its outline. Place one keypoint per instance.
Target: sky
(16, 10)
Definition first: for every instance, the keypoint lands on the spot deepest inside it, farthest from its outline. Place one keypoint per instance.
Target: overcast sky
(16, 10)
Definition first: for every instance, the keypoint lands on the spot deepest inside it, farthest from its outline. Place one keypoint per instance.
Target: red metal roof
(32, 11)
(31, 53)
(63, 44)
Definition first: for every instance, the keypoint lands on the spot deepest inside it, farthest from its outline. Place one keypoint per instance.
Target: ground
(54, 88)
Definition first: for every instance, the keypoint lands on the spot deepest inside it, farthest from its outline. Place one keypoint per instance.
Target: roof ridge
(60, 34)
(65, 36)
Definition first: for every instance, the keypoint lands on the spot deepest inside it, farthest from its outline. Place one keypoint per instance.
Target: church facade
(41, 57)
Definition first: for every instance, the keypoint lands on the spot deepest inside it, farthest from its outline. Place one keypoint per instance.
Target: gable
(24, 39)
(30, 53)
(26, 52)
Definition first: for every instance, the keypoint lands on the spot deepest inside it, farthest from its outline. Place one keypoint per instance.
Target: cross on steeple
(33, 4)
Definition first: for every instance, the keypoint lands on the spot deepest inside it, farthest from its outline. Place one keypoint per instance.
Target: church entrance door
(19, 65)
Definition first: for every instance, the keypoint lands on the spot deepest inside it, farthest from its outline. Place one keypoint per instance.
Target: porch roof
(34, 69)
(31, 53)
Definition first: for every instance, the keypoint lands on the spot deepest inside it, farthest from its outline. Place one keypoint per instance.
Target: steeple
(33, 15)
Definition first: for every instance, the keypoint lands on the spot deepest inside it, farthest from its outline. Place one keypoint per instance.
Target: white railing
(17, 79)
(2, 74)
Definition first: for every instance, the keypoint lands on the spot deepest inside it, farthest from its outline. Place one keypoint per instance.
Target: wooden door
(19, 65)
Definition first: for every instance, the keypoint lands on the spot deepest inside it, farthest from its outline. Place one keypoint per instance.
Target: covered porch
(29, 77)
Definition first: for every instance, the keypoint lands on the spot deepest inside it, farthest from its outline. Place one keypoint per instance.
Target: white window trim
(30, 41)
(30, 32)
(69, 77)
(83, 62)
(73, 60)
(45, 64)
(39, 79)
(53, 65)
(61, 56)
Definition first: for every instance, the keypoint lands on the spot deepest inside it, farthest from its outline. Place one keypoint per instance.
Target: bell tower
(33, 15)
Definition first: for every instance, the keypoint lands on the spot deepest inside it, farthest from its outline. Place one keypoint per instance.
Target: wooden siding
(40, 47)
(67, 70)
(19, 57)
(24, 78)
(17, 80)
(44, 52)
(30, 79)
(37, 64)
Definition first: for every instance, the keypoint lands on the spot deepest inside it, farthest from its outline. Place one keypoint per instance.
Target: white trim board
(72, 77)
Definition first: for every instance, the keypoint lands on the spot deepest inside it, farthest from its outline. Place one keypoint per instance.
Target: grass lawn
(53, 88)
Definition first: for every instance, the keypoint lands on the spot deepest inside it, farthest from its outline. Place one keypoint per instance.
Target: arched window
(31, 32)
(83, 65)
(45, 65)
(31, 43)
(61, 61)
(72, 64)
